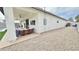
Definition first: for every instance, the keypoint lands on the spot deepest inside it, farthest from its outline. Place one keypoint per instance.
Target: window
(45, 21)
(57, 21)
(17, 25)
(33, 22)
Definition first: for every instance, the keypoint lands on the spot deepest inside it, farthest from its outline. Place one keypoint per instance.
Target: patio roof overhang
(22, 13)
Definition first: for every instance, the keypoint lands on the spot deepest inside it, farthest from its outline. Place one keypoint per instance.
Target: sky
(65, 12)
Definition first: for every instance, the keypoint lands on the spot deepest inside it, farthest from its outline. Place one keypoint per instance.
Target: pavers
(59, 40)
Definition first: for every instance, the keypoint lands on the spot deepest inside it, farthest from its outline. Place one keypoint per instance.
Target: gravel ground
(66, 39)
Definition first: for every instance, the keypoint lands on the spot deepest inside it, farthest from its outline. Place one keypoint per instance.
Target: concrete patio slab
(18, 40)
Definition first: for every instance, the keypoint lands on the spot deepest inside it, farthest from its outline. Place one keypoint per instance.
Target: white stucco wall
(51, 23)
(36, 24)
(78, 26)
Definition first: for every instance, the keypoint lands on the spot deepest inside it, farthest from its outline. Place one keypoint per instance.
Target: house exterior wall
(78, 26)
(51, 22)
(36, 24)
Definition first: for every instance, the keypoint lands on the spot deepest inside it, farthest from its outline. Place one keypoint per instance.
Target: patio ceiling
(20, 14)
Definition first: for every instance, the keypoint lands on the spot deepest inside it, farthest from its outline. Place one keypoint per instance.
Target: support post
(11, 32)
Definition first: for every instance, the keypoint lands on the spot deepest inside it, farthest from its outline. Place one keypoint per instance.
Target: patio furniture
(25, 32)
(17, 33)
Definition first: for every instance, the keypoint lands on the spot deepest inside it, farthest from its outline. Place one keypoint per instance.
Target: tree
(77, 18)
(71, 19)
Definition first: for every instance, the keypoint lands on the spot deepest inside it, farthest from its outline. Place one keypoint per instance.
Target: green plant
(77, 18)
(2, 34)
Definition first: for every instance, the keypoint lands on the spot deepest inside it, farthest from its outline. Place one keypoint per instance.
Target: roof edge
(49, 13)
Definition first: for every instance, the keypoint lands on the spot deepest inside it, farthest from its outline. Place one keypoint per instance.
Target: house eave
(48, 13)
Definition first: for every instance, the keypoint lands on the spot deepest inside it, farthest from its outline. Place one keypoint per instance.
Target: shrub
(68, 24)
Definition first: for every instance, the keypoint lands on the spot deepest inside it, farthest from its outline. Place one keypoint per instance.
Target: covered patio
(19, 22)
(24, 22)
